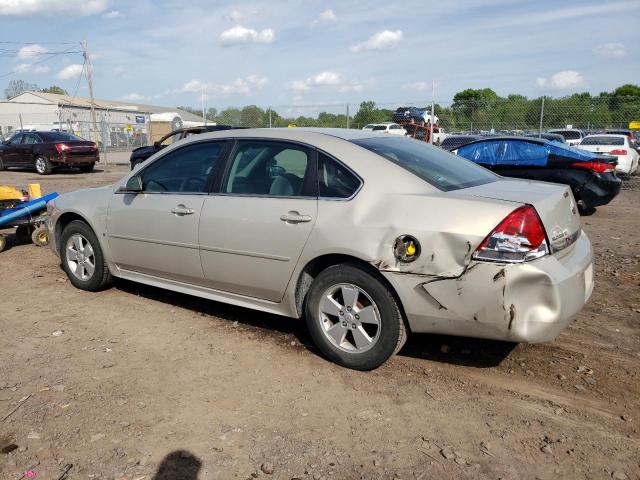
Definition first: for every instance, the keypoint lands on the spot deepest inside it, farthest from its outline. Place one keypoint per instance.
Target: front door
(11, 150)
(24, 156)
(155, 232)
(253, 232)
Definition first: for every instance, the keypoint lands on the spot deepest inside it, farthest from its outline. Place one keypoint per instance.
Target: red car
(44, 151)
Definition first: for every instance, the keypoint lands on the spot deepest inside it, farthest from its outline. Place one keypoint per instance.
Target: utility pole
(541, 117)
(347, 115)
(89, 73)
(204, 117)
(269, 117)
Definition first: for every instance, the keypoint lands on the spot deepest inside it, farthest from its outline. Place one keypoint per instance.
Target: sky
(310, 53)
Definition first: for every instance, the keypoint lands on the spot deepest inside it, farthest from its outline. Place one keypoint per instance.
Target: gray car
(365, 236)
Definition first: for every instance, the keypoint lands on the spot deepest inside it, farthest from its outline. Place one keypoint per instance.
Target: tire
(3, 242)
(88, 271)
(43, 166)
(327, 294)
(87, 167)
(40, 236)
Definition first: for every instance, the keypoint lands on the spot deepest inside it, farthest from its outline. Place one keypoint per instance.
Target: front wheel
(43, 166)
(353, 318)
(82, 257)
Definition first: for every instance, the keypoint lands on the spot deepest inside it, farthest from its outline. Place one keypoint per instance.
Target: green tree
(55, 89)
(16, 87)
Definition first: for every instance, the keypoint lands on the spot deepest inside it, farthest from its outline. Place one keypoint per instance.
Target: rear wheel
(43, 166)
(3, 242)
(353, 318)
(82, 257)
(87, 167)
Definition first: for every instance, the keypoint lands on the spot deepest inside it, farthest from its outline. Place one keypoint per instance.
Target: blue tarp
(521, 152)
(25, 209)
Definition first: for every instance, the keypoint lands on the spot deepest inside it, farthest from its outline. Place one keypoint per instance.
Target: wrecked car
(591, 176)
(366, 236)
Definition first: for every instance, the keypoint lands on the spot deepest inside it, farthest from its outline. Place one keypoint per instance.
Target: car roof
(615, 135)
(301, 134)
(539, 141)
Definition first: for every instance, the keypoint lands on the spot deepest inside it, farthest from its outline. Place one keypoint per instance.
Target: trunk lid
(553, 202)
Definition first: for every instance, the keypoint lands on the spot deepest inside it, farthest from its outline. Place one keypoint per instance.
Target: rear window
(60, 137)
(568, 134)
(438, 167)
(602, 140)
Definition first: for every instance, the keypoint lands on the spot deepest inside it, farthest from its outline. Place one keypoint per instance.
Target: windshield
(602, 140)
(438, 167)
(60, 137)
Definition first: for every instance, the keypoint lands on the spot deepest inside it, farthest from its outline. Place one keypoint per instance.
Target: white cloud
(119, 70)
(52, 7)
(112, 14)
(30, 68)
(615, 50)
(70, 71)
(565, 80)
(239, 35)
(31, 51)
(325, 18)
(133, 97)
(417, 86)
(244, 86)
(379, 41)
(325, 79)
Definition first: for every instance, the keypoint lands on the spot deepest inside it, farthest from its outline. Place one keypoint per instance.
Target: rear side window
(434, 165)
(334, 180)
(602, 140)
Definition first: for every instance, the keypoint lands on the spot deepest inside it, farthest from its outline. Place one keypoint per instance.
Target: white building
(119, 124)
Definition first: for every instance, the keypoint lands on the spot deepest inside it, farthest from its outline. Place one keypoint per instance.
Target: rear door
(25, 153)
(253, 231)
(155, 232)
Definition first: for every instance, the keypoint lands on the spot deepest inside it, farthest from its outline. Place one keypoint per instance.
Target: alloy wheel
(349, 318)
(80, 257)
(41, 165)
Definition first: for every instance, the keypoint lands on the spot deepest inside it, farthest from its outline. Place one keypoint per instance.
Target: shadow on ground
(179, 465)
(465, 351)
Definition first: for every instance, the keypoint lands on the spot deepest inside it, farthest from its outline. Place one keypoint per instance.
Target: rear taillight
(618, 151)
(61, 147)
(598, 167)
(518, 238)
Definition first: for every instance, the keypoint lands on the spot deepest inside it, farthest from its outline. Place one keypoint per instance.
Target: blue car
(592, 177)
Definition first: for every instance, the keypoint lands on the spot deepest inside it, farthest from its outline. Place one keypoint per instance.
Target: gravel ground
(141, 383)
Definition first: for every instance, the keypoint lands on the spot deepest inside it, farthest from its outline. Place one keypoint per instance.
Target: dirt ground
(141, 383)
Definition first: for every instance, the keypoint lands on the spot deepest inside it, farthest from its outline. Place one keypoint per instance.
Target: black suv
(140, 154)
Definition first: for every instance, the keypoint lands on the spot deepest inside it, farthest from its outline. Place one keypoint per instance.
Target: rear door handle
(181, 210)
(295, 217)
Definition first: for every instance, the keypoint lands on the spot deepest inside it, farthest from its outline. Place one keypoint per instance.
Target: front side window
(268, 168)
(184, 170)
(334, 180)
(16, 139)
(434, 165)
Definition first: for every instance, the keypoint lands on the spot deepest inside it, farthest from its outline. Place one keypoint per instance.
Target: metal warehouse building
(119, 124)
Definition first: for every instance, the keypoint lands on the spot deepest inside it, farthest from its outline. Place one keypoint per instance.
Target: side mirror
(133, 185)
(156, 144)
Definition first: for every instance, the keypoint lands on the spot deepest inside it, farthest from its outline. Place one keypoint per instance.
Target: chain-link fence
(121, 130)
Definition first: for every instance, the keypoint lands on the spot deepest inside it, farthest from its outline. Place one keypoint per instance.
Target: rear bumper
(531, 302)
(600, 189)
(75, 160)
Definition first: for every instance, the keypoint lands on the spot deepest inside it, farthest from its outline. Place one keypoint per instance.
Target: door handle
(295, 217)
(181, 210)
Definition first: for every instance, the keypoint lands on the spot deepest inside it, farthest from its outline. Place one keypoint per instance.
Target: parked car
(44, 151)
(555, 137)
(451, 142)
(386, 127)
(140, 154)
(591, 176)
(421, 116)
(366, 236)
(615, 145)
(572, 136)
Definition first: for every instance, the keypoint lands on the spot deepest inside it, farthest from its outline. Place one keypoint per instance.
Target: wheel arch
(65, 219)
(322, 262)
